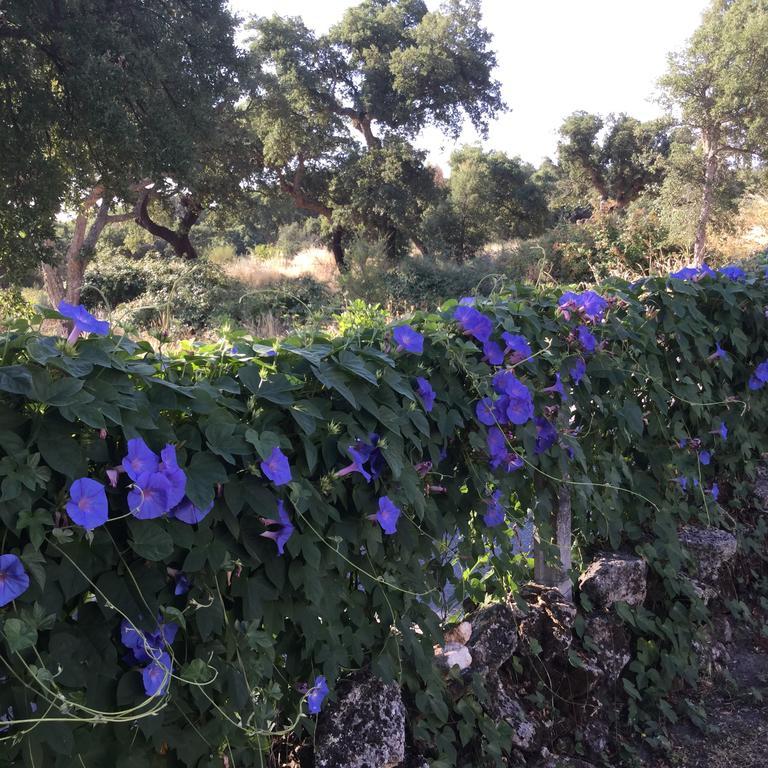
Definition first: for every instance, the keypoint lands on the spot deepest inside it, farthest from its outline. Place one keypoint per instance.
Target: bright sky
(554, 57)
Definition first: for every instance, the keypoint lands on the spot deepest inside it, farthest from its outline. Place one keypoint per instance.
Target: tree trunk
(393, 252)
(65, 281)
(420, 244)
(707, 198)
(178, 239)
(337, 248)
(558, 574)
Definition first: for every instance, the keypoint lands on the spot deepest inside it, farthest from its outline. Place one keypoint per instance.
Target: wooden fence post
(556, 574)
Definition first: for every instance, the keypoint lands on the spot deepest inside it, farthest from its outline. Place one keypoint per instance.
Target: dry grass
(750, 230)
(315, 262)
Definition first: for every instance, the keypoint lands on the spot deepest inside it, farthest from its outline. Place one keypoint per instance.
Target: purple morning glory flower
(130, 636)
(761, 372)
(578, 370)
(682, 482)
(365, 453)
(317, 695)
(520, 406)
(686, 273)
(500, 410)
(557, 387)
(276, 467)
(145, 646)
(484, 412)
(188, 513)
(177, 479)
(140, 459)
(705, 457)
(182, 584)
(694, 273)
(148, 499)
(283, 525)
(82, 321)
(500, 455)
(587, 303)
(495, 513)
(592, 305)
(87, 505)
(473, 323)
(715, 491)
(426, 393)
(719, 353)
(723, 431)
(387, 515)
(157, 675)
(14, 580)
(517, 347)
(493, 354)
(682, 442)
(408, 339)
(586, 339)
(546, 435)
(733, 272)
(755, 383)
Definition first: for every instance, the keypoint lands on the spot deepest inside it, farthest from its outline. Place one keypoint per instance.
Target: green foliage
(385, 72)
(677, 201)
(489, 196)
(717, 85)
(626, 244)
(626, 159)
(106, 93)
(157, 291)
(359, 317)
(425, 283)
(256, 625)
(297, 236)
(13, 305)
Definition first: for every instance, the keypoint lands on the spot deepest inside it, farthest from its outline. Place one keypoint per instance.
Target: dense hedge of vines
(146, 615)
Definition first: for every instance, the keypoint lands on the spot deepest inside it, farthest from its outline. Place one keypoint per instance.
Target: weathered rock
(606, 640)
(364, 728)
(712, 647)
(555, 761)
(494, 636)
(596, 738)
(460, 634)
(760, 488)
(703, 591)
(614, 579)
(710, 548)
(548, 621)
(453, 655)
(502, 704)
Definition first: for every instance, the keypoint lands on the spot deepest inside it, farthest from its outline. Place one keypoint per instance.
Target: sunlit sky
(554, 57)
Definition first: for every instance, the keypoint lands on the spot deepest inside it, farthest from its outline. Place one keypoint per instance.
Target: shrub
(13, 305)
(297, 236)
(263, 433)
(626, 244)
(424, 283)
(156, 290)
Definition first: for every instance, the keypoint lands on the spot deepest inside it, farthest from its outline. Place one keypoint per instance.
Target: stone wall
(511, 645)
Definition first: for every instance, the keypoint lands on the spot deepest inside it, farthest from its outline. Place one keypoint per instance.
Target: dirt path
(737, 717)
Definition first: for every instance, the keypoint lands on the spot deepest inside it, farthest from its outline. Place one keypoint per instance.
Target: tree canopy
(717, 87)
(343, 106)
(97, 96)
(616, 158)
(489, 196)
